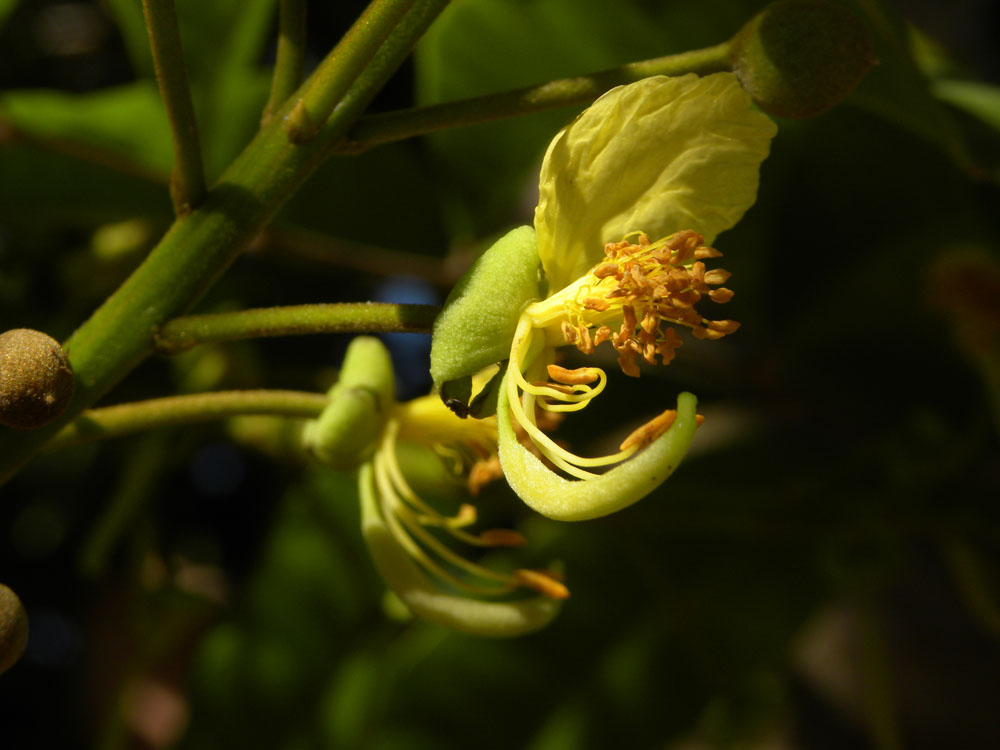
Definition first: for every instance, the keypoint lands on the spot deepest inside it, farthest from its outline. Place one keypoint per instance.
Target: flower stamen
(408, 517)
(647, 288)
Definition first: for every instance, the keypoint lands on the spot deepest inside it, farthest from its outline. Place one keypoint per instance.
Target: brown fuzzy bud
(13, 628)
(798, 58)
(36, 381)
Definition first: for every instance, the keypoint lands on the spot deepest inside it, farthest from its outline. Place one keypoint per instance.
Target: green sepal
(348, 430)
(427, 601)
(476, 326)
(579, 500)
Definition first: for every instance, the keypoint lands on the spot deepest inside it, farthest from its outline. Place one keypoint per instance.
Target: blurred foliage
(849, 451)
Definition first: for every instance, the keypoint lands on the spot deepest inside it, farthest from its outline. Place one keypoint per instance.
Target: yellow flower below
(413, 543)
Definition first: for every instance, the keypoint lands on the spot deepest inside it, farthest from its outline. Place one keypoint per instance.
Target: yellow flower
(411, 542)
(671, 158)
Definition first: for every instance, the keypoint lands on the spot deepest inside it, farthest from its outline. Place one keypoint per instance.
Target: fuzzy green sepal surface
(480, 315)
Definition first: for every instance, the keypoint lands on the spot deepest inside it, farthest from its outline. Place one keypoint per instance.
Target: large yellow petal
(659, 155)
(583, 499)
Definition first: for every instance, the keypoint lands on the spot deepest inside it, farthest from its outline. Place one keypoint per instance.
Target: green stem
(187, 183)
(200, 246)
(393, 126)
(289, 60)
(336, 74)
(180, 334)
(125, 419)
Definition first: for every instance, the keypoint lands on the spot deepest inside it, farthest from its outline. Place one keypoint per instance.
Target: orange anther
(573, 377)
(606, 269)
(596, 303)
(646, 434)
(717, 276)
(723, 326)
(541, 581)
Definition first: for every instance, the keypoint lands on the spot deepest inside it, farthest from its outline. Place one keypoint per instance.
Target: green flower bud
(348, 430)
(798, 58)
(36, 380)
(13, 628)
(480, 315)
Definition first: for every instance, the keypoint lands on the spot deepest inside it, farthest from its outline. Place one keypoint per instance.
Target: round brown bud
(13, 628)
(36, 381)
(798, 58)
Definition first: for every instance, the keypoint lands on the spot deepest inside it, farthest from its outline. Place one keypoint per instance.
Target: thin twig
(341, 68)
(289, 59)
(373, 130)
(125, 419)
(180, 334)
(187, 182)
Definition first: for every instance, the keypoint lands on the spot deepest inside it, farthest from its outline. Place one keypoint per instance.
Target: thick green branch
(393, 126)
(336, 74)
(201, 245)
(180, 334)
(125, 419)
(187, 183)
(289, 59)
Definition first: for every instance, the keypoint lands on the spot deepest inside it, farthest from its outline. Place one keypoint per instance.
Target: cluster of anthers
(647, 284)
(649, 287)
(420, 529)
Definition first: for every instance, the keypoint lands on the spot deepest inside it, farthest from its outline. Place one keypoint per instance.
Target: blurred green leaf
(40, 189)
(6, 8)
(127, 121)
(980, 100)
(897, 90)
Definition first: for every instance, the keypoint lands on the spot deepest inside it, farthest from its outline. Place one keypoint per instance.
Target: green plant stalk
(393, 126)
(290, 56)
(187, 182)
(125, 419)
(338, 71)
(200, 246)
(180, 334)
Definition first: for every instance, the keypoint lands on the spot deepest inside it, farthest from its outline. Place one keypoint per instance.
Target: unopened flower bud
(346, 433)
(798, 58)
(13, 628)
(36, 381)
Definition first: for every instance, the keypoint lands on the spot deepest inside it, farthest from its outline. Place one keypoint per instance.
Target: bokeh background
(822, 572)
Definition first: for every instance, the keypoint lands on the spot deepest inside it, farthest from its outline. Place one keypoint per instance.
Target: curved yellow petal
(425, 600)
(579, 500)
(659, 155)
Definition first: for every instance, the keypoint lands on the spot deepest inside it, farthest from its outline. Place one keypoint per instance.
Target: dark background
(821, 572)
